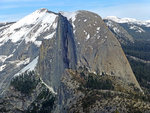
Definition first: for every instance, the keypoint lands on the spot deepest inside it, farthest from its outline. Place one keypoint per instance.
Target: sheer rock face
(89, 43)
(58, 54)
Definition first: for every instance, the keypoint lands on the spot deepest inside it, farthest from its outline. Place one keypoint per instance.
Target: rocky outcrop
(77, 95)
(27, 94)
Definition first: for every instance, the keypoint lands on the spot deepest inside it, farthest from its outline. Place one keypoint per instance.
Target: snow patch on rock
(136, 28)
(88, 36)
(23, 62)
(116, 30)
(31, 66)
(3, 58)
(70, 16)
(2, 67)
(50, 36)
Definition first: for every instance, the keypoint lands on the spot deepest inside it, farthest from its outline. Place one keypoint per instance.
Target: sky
(13, 10)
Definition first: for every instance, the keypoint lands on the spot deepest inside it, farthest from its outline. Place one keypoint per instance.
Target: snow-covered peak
(148, 21)
(120, 20)
(128, 20)
(30, 19)
(42, 10)
(39, 21)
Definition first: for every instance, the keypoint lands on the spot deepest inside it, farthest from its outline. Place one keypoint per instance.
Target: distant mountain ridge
(139, 30)
(128, 20)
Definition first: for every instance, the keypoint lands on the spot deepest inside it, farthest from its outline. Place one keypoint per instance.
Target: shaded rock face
(58, 54)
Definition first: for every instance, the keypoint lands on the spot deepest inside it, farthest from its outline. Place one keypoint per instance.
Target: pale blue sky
(12, 10)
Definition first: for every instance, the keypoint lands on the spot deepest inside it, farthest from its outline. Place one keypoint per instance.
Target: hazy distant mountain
(137, 29)
(66, 62)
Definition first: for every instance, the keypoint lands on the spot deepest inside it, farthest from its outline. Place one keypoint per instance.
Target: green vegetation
(107, 92)
(116, 111)
(90, 85)
(98, 82)
(142, 72)
(44, 103)
(140, 49)
(25, 82)
(89, 100)
(93, 81)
